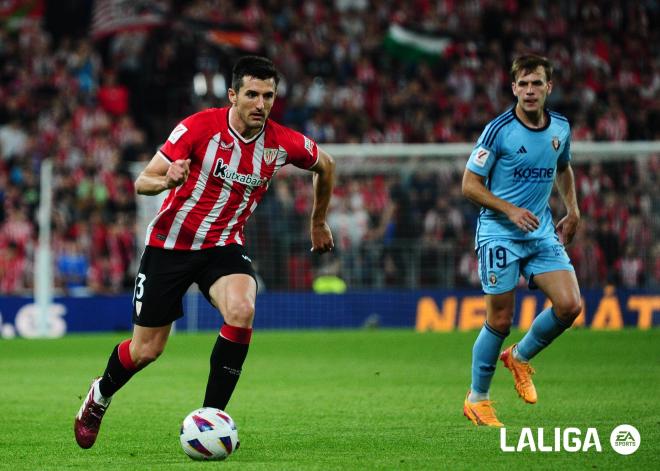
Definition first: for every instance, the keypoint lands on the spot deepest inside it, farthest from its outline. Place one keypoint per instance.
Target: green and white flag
(410, 45)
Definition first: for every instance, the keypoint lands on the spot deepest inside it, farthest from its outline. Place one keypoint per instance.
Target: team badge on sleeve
(309, 145)
(176, 134)
(480, 156)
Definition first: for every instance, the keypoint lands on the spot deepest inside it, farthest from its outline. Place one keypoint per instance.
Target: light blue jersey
(519, 164)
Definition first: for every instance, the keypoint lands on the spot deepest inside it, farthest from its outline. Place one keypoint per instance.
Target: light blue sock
(545, 328)
(484, 358)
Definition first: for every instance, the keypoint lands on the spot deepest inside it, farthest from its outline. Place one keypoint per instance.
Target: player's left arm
(567, 226)
(324, 182)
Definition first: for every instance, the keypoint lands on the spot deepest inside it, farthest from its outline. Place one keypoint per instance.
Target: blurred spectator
(13, 139)
(580, 130)
(13, 270)
(655, 269)
(72, 265)
(588, 259)
(609, 243)
(348, 221)
(105, 275)
(17, 229)
(630, 268)
(613, 124)
(112, 96)
(468, 271)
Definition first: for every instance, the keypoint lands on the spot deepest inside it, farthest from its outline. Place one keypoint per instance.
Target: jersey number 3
(139, 286)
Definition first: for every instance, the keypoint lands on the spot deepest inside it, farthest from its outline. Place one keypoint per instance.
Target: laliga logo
(564, 440)
(625, 440)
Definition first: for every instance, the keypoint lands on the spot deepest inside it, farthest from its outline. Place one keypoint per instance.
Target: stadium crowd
(97, 106)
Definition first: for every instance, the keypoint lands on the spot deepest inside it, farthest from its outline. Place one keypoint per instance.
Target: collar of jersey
(238, 134)
(546, 126)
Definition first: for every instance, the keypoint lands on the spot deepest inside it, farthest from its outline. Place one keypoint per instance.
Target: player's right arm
(170, 165)
(474, 189)
(161, 174)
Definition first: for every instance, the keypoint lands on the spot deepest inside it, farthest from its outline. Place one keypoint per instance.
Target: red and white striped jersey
(229, 176)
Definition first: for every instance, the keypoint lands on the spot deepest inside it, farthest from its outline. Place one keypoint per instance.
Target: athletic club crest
(492, 278)
(270, 154)
(555, 143)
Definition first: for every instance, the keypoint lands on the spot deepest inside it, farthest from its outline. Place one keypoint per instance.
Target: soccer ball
(208, 434)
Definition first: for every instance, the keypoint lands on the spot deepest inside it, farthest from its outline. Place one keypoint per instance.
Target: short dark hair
(528, 63)
(253, 66)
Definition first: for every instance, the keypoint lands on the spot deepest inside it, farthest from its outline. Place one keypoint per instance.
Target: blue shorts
(502, 261)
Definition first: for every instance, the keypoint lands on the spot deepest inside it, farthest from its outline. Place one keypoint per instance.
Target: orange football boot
(481, 413)
(522, 375)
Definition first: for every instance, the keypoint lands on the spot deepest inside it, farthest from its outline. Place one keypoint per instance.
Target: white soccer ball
(209, 434)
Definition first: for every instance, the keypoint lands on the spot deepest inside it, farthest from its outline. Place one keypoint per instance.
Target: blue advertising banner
(433, 310)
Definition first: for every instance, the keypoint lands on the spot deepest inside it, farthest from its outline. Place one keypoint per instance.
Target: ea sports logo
(625, 439)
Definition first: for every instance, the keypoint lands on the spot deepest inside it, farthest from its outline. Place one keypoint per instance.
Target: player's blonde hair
(528, 63)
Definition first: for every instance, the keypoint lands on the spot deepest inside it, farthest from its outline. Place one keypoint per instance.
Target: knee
(568, 309)
(501, 321)
(240, 313)
(503, 326)
(143, 354)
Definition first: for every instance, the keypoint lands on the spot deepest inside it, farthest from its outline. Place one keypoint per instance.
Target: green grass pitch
(374, 399)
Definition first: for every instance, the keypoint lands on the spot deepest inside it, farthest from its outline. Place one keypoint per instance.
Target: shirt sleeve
(483, 156)
(301, 150)
(179, 144)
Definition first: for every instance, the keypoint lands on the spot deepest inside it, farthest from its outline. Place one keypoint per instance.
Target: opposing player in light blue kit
(510, 174)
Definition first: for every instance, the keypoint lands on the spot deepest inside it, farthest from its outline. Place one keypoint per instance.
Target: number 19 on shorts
(496, 257)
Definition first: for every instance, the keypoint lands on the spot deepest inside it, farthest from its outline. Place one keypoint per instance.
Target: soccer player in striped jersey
(216, 166)
(510, 174)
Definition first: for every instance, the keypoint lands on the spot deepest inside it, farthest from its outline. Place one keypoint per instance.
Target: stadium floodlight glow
(199, 84)
(219, 85)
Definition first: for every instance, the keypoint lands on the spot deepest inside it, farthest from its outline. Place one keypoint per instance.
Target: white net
(402, 227)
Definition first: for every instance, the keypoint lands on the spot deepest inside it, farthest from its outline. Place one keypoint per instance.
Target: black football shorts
(165, 276)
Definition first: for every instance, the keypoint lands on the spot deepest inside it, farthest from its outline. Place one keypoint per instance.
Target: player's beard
(252, 121)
